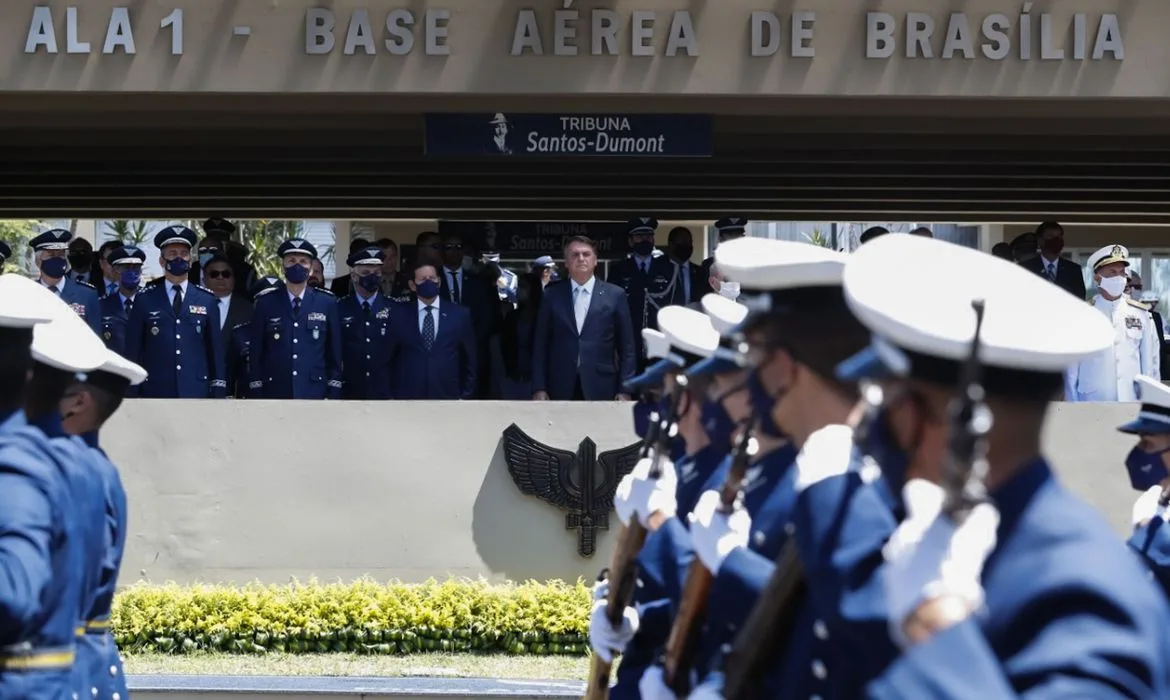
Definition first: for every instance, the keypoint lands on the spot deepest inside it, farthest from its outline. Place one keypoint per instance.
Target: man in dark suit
(479, 296)
(222, 230)
(234, 309)
(432, 343)
(583, 345)
(726, 229)
(1064, 273)
(680, 246)
(649, 281)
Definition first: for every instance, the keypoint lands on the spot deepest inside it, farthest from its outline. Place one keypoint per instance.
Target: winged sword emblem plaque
(582, 483)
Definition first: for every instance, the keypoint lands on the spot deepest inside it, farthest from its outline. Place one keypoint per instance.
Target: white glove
(652, 686)
(638, 494)
(603, 637)
(929, 556)
(1146, 507)
(706, 691)
(714, 534)
(827, 453)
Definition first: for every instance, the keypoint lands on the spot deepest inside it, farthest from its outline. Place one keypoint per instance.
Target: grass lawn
(432, 665)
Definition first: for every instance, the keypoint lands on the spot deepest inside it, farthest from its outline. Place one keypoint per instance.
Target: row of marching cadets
(874, 516)
(62, 505)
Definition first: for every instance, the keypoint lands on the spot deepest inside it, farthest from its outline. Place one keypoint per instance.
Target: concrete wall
(471, 46)
(235, 491)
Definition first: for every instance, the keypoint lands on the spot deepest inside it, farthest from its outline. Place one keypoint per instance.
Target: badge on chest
(1133, 323)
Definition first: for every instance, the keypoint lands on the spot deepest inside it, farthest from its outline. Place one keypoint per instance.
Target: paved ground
(242, 686)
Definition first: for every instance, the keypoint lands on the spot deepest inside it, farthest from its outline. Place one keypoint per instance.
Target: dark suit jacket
(447, 370)
(239, 311)
(705, 271)
(1069, 276)
(602, 354)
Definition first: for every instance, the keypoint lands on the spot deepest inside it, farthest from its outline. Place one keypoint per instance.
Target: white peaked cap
(688, 330)
(1028, 324)
(1108, 255)
(24, 303)
(119, 366)
(765, 264)
(657, 345)
(66, 342)
(725, 314)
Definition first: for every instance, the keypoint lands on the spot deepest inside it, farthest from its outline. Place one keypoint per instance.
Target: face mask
(178, 266)
(729, 290)
(130, 278)
(1114, 286)
(428, 289)
(54, 268)
(205, 258)
(1145, 469)
(644, 248)
(762, 406)
(642, 412)
(80, 261)
(716, 423)
(296, 274)
(371, 282)
(683, 252)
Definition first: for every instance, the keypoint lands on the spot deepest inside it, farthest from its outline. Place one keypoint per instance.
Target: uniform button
(116, 696)
(367, 323)
(1151, 574)
(296, 325)
(93, 690)
(178, 337)
(820, 630)
(294, 357)
(178, 352)
(367, 357)
(178, 368)
(789, 529)
(294, 340)
(759, 538)
(811, 697)
(294, 373)
(818, 669)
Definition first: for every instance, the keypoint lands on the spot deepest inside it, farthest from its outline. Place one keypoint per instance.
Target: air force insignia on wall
(582, 483)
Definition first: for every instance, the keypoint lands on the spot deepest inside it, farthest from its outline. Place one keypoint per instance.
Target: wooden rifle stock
(623, 565)
(682, 644)
(767, 628)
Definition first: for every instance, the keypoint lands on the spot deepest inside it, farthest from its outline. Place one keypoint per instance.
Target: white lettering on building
(396, 34)
(921, 35)
(42, 32)
(766, 30)
(604, 27)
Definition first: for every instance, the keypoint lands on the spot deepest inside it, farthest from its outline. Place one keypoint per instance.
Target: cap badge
(1117, 251)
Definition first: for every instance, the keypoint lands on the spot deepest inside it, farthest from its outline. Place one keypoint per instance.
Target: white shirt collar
(171, 286)
(423, 305)
(225, 299)
(588, 285)
(366, 300)
(292, 296)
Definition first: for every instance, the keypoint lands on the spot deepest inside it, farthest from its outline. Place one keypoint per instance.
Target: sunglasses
(219, 274)
(453, 246)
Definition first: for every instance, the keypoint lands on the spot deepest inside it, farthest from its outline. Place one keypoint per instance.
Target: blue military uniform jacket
(295, 357)
(97, 650)
(82, 298)
(114, 320)
(646, 293)
(183, 354)
(1152, 543)
(40, 553)
(1070, 612)
(366, 346)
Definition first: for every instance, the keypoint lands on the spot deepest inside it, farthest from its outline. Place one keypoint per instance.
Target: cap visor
(1145, 426)
(721, 362)
(866, 364)
(654, 375)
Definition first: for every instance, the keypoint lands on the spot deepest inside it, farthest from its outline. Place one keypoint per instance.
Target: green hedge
(360, 617)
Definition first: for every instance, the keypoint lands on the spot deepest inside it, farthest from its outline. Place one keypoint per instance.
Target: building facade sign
(535, 238)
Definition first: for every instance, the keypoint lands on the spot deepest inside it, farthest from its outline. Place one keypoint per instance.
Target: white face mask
(1113, 286)
(729, 290)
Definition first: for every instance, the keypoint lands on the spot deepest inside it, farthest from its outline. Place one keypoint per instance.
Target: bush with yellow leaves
(360, 617)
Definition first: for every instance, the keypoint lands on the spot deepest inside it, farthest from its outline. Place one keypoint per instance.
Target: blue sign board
(570, 135)
(535, 238)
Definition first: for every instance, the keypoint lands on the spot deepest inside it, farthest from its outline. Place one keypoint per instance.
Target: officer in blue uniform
(1031, 594)
(41, 550)
(87, 405)
(296, 335)
(126, 262)
(51, 250)
(60, 349)
(650, 281)
(728, 228)
(1148, 474)
(365, 325)
(174, 329)
(240, 341)
(5, 254)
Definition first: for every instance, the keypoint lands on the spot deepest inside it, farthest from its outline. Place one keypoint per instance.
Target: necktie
(686, 270)
(366, 308)
(455, 287)
(177, 303)
(429, 328)
(297, 307)
(1052, 271)
(129, 306)
(581, 307)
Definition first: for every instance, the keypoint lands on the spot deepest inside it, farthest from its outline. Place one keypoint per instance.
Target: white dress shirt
(225, 303)
(56, 288)
(422, 314)
(171, 290)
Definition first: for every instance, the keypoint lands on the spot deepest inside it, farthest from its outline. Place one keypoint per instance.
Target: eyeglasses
(218, 274)
(453, 246)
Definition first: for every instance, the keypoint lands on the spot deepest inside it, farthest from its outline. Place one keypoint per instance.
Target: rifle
(685, 633)
(622, 568)
(965, 466)
(769, 625)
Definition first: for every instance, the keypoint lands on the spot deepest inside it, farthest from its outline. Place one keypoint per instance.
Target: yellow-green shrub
(362, 617)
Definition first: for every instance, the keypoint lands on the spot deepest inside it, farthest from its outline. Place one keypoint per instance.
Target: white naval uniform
(1110, 375)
